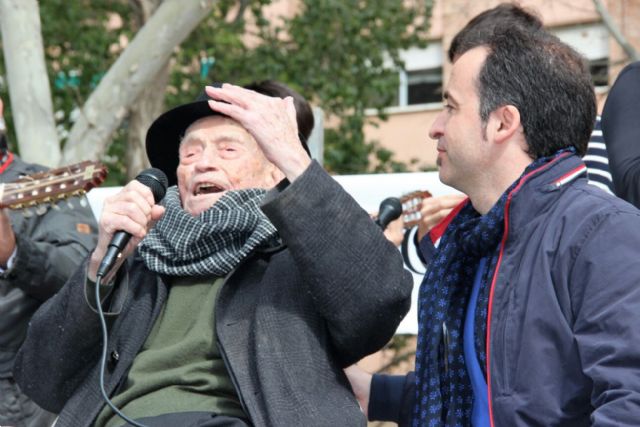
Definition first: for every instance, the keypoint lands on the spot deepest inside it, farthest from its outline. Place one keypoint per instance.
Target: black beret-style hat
(166, 132)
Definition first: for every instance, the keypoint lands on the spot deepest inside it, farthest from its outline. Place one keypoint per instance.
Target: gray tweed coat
(288, 319)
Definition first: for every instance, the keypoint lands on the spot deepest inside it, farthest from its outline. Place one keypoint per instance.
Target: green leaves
(343, 55)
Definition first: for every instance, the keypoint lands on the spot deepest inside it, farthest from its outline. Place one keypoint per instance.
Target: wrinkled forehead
(217, 128)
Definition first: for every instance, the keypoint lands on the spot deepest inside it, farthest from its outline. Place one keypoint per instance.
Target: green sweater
(179, 368)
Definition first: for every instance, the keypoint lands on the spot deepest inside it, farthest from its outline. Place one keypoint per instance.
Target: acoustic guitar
(49, 187)
(411, 207)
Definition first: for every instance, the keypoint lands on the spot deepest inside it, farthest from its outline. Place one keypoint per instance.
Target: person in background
(621, 130)
(37, 256)
(246, 299)
(535, 271)
(597, 160)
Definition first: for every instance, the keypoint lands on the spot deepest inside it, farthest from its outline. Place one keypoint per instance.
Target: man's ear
(505, 123)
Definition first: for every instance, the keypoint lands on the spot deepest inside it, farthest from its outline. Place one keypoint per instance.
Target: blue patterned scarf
(444, 395)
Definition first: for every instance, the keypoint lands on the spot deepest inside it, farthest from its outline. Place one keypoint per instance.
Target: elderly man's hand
(395, 231)
(133, 210)
(271, 121)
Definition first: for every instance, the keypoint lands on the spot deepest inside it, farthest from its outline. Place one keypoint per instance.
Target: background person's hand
(7, 239)
(434, 209)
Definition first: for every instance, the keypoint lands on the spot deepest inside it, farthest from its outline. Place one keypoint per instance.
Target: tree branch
(615, 31)
(147, 53)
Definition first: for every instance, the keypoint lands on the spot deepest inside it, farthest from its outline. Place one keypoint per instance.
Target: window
(424, 86)
(592, 41)
(421, 80)
(599, 69)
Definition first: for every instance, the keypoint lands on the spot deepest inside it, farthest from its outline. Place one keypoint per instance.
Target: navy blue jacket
(564, 309)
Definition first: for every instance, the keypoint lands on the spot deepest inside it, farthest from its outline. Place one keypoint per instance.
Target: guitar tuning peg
(55, 206)
(41, 209)
(69, 204)
(83, 202)
(27, 212)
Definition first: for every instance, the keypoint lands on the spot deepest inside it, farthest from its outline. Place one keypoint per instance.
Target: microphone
(157, 182)
(390, 209)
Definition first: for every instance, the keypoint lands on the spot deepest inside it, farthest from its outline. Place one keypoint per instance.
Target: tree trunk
(125, 81)
(29, 89)
(149, 104)
(143, 112)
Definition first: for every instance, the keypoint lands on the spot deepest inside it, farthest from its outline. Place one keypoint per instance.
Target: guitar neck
(51, 186)
(411, 204)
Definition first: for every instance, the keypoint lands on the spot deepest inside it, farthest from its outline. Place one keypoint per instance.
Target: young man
(416, 251)
(528, 312)
(240, 306)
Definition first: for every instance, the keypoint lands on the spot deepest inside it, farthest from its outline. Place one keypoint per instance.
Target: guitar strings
(14, 188)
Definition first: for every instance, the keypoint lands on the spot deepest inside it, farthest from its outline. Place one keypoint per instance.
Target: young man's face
(217, 155)
(462, 146)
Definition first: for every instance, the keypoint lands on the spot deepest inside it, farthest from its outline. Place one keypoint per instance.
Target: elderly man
(528, 313)
(238, 307)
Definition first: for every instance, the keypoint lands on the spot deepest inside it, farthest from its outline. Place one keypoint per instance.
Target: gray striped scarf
(212, 243)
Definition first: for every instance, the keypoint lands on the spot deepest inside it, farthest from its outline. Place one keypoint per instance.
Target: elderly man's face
(217, 155)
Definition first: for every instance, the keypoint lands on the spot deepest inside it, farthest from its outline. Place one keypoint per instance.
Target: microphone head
(390, 209)
(156, 180)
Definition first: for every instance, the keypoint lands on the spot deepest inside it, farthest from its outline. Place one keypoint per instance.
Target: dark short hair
(479, 29)
(304, 114)
(547, 81)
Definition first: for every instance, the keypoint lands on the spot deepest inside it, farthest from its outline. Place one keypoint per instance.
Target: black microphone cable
(157, 182)
(103, 358)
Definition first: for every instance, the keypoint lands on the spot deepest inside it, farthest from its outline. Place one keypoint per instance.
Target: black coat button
(114, 356)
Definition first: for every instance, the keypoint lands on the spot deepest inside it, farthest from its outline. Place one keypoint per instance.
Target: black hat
(166, 132)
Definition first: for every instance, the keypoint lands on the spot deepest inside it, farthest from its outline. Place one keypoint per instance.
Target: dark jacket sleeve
(605, 287)
(353, 273)
(391, 398)
(621, 131)
(66, 329)
(50, 247)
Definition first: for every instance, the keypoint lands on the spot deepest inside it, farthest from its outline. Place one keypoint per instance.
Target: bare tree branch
(242, 7)
(28, 82)
(127, 78)
(615, 31)
(149, 104)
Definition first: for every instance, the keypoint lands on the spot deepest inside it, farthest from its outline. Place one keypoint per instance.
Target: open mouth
(207, 188)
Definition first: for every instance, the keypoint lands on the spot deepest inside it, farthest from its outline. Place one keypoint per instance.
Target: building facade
(576, 22)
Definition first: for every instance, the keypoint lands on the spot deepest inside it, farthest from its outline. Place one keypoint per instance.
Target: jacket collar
(540, 188)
